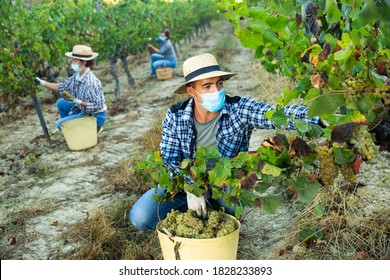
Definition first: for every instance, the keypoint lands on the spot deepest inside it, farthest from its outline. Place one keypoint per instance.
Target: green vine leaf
(272, 170)
(333, 13)
(305, 189)
(325, 104)
(343, 156)
(271, 203)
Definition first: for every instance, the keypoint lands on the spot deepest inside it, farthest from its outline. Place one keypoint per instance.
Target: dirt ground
(45, 189)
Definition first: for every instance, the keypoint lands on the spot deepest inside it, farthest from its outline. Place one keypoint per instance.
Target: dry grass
(101, 239)
(108, 235)
(348, 231)
(13, 234)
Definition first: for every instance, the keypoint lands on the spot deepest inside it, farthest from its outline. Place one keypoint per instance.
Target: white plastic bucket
(80, 133)
(219, 248)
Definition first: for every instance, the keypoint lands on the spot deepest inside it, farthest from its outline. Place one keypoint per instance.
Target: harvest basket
(80, 133)
(219, 248)
(164, 73)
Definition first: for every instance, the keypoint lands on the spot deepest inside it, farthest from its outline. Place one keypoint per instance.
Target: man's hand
(70, 98)
(197, 204)
(39, 81)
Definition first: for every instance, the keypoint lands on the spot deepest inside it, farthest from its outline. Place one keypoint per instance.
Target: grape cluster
(348, 173)
(362, 140)
(328, 167)
(188, 225)
(383, 93)
(354, 90)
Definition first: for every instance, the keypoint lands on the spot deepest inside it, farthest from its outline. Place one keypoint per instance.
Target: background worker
(164, 56)
(82, 93)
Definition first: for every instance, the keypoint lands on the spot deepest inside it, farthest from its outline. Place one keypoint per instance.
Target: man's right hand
(197, 204)
(70, 98)
(39, 81)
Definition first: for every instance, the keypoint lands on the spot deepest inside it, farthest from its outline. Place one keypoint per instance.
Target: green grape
(348, 173)
(362, 140)
(188, 225)
(328, 167)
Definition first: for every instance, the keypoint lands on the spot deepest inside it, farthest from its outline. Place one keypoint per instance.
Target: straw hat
(82, 52)
(201, 67)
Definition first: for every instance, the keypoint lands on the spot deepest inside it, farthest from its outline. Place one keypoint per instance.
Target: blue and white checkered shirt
(237, 119)
(89, 89)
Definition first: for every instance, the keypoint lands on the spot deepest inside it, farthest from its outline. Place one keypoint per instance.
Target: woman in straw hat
(83, 92)
(208, 118)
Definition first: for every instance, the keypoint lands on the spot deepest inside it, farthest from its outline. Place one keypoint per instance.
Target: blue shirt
(166, 49)
(87, 88)
(237, 119)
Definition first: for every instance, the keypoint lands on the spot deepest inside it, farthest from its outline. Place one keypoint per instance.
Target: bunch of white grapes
(188, 225)
(362, 140)
(354, 90)
(328, 167)
(383, 93)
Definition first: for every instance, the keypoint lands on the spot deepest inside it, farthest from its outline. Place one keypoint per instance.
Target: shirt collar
(80, 78)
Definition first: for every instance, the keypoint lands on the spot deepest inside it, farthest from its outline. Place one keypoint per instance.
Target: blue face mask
(160, 39)
(213, 102)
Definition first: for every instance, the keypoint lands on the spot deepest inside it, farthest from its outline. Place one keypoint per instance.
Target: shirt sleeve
(164, 48)
(255, 112)
(94, 98)
(67, 85)
(170, 147)
(300, 113)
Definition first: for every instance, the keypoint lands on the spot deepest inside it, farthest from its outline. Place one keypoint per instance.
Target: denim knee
(141, 220)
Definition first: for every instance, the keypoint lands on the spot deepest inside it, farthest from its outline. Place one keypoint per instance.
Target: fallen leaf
(13, 241)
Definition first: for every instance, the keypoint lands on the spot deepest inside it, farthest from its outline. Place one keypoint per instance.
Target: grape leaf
(270, 169)
(343, 132)
(325, 104)
(333, 13)
(271, 202)
(343, 156)
(300, 147)
(305, 189)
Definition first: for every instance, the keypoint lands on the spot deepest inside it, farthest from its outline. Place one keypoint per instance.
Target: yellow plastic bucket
(80, 133)
(219, 248)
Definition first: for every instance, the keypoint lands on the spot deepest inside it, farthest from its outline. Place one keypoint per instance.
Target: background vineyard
(34, 38)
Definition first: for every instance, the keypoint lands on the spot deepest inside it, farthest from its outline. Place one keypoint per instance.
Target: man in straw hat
(83, 92)
(208, 118)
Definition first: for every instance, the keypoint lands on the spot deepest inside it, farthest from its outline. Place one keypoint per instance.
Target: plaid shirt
(237, 119)
(89, 89)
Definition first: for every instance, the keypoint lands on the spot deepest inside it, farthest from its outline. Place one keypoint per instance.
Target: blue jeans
(158, 61)
(64, 108)
(143, 214)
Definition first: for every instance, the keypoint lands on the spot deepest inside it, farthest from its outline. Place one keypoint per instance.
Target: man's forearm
(52, 86)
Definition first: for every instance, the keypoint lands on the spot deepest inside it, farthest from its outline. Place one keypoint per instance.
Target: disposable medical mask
(214, 101)
(76, 68)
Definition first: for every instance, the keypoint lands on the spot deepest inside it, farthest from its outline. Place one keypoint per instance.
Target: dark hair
(166, 32)
(90, 64)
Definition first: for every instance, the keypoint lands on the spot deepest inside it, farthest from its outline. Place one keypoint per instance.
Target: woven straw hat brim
(224, 75)
(72, 55)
